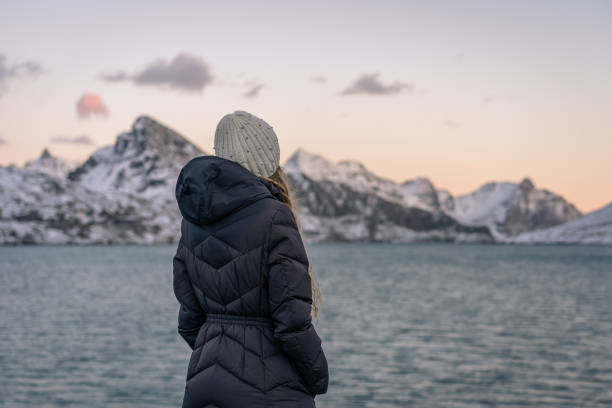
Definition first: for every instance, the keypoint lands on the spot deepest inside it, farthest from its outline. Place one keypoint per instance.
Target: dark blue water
(404, 325)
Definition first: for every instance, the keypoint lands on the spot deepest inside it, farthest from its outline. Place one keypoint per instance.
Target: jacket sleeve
(191, 316)
(290, 300)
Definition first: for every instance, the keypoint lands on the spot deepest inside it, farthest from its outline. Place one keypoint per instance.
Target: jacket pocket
(299, 380)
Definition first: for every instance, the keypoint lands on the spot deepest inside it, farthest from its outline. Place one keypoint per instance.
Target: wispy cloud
(451, 123)
(77, 140)
(253, 90)
(488, 99)
(185, 72)
(116, 76)
(319, 79)
(3, 141)
(369, 84)
(91, 104)
(10, 71)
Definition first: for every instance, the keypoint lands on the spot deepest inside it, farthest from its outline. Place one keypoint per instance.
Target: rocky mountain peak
(303, 161)
(146, 158)
(422, 182)
(125, 193)
(353, 165)
(526, 184)
(148, 134)
(317, 167)
(45, 154)
(421, 191)
(513, 208)
(48, 164)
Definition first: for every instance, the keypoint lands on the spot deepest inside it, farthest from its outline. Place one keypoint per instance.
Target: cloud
(370, 84)
(3, 141)
(319, 79)
(8, 72)
(489, 98)
(451, 123)
(185, 72)
(116, 76)
(90, 104)
(78, 140)
(253, 91)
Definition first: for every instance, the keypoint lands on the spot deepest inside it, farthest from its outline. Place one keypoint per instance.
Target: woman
(243, 279)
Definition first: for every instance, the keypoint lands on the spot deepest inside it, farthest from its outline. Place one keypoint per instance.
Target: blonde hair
(281, 182)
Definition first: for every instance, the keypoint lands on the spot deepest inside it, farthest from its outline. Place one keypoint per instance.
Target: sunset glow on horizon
(460, 93)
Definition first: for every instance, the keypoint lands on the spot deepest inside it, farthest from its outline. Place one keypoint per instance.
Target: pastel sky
(462, 92)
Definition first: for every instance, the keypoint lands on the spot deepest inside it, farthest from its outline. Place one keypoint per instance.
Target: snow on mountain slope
(125, 194)
(37, 208)
(51, 165)
(509, 209)
(145, 161)
(592, 228)
(344, 201)
(417, 193)
(348, 172)
(421, 193)
(121, 194)
(488, 203)
(445, 200)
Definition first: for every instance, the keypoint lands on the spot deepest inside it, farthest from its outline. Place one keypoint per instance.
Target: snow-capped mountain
(418, 193)
(49, 164)
(319, 169)
(125, 194)
(509, 209)
(345, 201)
(421, 193)
(122, 194)
(145, 161)
(38, 208)
(593, 228)
(345, 195)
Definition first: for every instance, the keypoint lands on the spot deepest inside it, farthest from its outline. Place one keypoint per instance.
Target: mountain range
(124, 193)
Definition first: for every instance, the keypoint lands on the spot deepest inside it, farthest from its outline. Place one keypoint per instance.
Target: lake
(423, 325)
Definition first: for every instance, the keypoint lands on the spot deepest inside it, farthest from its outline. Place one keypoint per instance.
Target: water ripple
(404, 325)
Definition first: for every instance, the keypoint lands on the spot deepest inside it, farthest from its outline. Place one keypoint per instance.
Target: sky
(461, 92)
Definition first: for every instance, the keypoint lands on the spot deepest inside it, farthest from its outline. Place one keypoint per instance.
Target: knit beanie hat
(248, 140)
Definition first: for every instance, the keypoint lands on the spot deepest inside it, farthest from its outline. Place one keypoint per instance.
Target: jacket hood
(210, 187)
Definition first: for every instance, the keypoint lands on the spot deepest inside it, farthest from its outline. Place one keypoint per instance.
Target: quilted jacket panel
(241, 279)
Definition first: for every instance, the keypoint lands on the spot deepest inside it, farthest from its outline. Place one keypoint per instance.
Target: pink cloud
(91, 104)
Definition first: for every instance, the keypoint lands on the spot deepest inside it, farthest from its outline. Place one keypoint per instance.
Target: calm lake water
(404, 325)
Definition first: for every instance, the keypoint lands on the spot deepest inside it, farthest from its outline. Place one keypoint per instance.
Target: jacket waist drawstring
(224, 318)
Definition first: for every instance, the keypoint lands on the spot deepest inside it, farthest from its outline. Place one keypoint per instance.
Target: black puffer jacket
(241, 278)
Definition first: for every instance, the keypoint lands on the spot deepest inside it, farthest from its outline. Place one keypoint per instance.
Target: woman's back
(241, 277)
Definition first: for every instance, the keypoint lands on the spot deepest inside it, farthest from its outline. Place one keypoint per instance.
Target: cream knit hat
(248, 140)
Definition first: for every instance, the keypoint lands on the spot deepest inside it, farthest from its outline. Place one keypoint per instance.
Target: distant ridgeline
(125, 194)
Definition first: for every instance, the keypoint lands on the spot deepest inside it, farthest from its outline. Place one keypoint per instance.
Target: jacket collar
(272, 188)
(210, 187)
